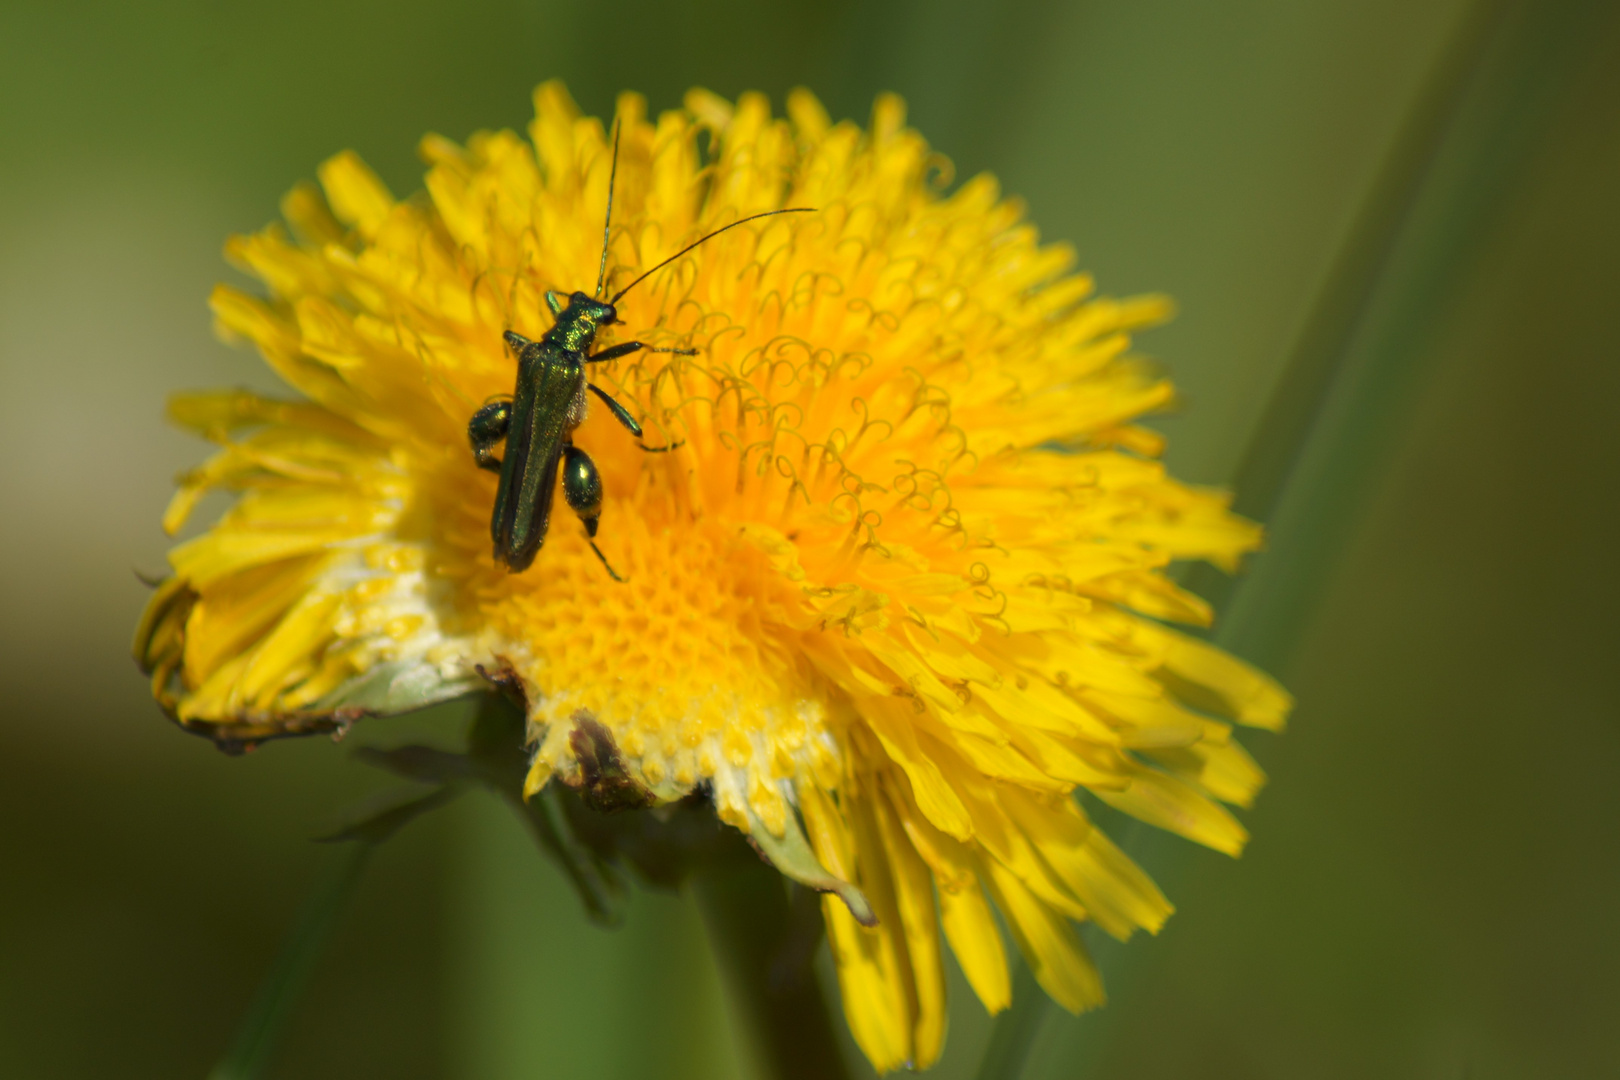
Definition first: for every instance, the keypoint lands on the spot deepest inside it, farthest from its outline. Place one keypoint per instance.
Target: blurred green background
(1432, 885)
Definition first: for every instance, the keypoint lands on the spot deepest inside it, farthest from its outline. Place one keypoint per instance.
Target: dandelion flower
(899, 592)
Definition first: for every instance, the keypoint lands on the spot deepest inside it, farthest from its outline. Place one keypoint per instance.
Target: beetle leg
(622, 415)
(628, 347)
(582, 487)
(486, 429)
(616, 351)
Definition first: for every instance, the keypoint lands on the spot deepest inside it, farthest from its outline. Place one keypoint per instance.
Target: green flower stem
(763, 945)
(257, 1037)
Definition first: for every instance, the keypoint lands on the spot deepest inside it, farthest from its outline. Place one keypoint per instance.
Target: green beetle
(537, 422)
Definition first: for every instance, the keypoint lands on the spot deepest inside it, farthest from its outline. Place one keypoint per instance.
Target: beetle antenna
(613, 175)
(740, 221)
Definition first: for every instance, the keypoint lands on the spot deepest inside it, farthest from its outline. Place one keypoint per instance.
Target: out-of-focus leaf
(426, 764)
(376, 819)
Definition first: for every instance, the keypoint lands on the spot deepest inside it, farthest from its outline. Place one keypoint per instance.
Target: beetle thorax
(576, 327)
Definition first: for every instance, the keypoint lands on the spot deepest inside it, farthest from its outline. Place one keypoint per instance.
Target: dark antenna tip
(613, 176)
(740, 221)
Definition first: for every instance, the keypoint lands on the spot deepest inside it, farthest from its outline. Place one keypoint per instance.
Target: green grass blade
(256, 1039)
(1529, 58)
(1450, 174)
(1013, 1037)
(1342, 305)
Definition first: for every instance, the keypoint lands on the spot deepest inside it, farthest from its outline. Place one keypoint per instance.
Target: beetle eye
(610, 315)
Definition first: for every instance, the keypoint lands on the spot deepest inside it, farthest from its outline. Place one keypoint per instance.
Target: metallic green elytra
(537, 422)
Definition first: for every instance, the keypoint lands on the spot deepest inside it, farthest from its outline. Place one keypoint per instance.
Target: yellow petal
(357, 196)
(1225, 771)
(970, 926)
(1050, 946)
(1171, 804)
(914, 900)
(867, 985)
(1236, 689)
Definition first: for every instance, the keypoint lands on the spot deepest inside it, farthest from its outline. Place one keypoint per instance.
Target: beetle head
(593, 310)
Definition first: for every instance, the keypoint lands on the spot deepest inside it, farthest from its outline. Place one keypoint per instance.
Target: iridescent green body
(538, 422)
